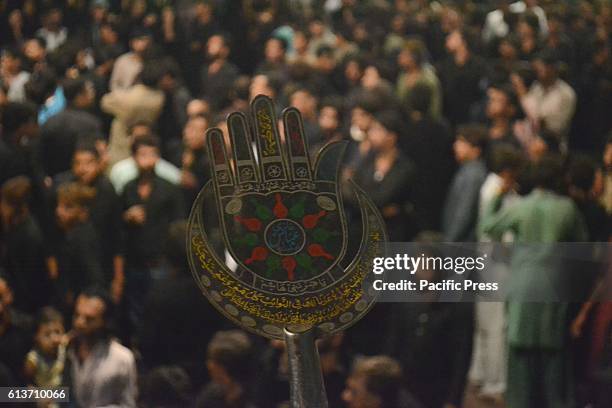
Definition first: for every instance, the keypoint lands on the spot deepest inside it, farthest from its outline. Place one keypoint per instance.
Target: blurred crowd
(465, 121)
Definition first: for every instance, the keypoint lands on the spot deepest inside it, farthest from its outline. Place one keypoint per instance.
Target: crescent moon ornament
(280, 222)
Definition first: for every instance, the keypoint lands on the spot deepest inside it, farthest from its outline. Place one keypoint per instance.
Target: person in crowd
(376, 382)
(428, 142)
(78, 252)
(501, 109)
(58, 136)
(527, 29)
(126, 170)
(102, 372)
(488, 368)
(261, 84)
(44, 364)
(34, 50)
(176, 97)
(299, 49)
(12, 75)
(142, 102)
(166, 339)
(45, 91)
(461, 75)
(362, 117)
(440, 333)
(149, 204)
(550, 101)
(15, 338)
(24, 254)
(195, 168)
(275, 59)
(330, 123)
(167, 386)
(386, 173)
(412, 60)
(105, 211)
(461, 206)
(198, 107)
(17, 145)
(129, 65)
(199, 29)
(306, 102)
(537, 341)
(219, 74)
(228, 359)
(582, 175)
(52, 31)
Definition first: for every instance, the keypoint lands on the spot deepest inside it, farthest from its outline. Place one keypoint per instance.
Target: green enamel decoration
(249, 239)
(304, 261)
(321, 235)
(263, 212)
(297, 210)
(273, 262)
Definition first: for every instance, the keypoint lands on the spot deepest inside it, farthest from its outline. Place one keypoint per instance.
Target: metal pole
(305, 377)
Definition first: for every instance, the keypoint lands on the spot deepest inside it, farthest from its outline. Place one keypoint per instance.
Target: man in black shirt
(461, 74)
(22, 246)
(150, 205)
(219, 74)
(78, 253)
(105, 211)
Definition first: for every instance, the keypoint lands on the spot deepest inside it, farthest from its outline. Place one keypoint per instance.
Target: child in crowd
(44, 365)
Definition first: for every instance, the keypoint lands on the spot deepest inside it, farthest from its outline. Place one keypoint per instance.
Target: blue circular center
(285, 237)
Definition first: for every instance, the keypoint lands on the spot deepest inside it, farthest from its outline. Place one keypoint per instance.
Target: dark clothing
(18, 160)
(13, 161)
(200, 168)
(79, 260)
(391, 190)
(173, 117)
(105, 214)
(23, 258)
(433, 342)
(145, 243)
(59, 136)
(461, 207)
(15, 342)
(597, 220)
(215, 87)
(461, 86)
(429, 144)
(165, 339)
(212, 396)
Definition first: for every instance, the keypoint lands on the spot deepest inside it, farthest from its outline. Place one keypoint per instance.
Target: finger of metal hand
(299, 162)
(329, 160)
(269, 150)
(220, 165)
(246, 170)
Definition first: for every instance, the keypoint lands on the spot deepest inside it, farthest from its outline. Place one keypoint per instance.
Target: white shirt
(496, 27)
(107, 378)
(553, 106)
(126, 170)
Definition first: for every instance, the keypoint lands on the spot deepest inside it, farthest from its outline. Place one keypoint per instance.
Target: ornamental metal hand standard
(282, 222)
